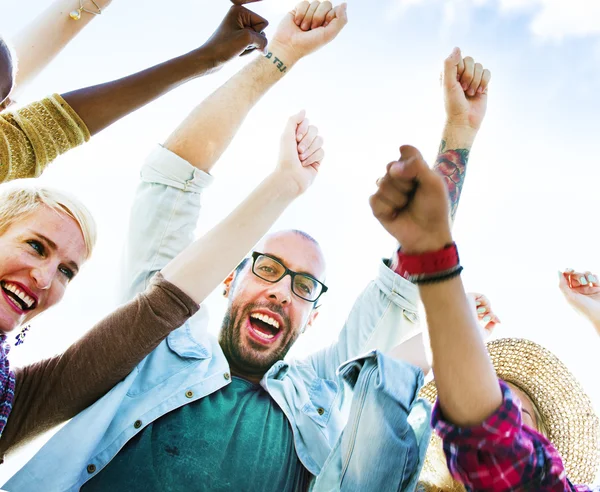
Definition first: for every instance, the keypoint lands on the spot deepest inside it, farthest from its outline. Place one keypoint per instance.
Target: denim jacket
(190, 365)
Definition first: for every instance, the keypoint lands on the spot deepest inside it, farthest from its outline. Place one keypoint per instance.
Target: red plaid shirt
(502, 454)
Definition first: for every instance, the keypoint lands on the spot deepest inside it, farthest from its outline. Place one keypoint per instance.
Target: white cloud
(551, 19)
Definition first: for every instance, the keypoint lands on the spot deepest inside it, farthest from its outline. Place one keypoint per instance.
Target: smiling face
(263, 319)
(40, 254)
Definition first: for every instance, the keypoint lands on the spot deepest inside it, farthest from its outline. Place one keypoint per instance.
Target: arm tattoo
(276, 61)
(452, 165)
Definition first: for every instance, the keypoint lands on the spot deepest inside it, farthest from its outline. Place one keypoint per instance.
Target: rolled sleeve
(501, 454)
(163, 217)
(383, 316)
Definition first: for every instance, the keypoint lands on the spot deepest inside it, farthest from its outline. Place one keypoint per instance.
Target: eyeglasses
(272, 270)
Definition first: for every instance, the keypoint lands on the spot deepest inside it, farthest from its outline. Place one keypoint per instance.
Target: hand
(582, 292)
(306, 29)
(486, 317)
(465, 86)
(300, 167)
(240, 33)
(412, 204)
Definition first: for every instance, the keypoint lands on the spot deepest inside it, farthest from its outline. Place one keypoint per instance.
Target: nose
(43, 276)
(281, 291)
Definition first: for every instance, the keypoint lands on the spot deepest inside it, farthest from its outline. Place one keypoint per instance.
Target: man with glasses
(201, 413)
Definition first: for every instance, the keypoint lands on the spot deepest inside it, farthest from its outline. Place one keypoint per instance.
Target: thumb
(563, 285)
(339, 21)
(411, 165)
(258, 41)
(292, 125)
(451, 67)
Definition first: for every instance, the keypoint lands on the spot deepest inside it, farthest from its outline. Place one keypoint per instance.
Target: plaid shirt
(502, 454)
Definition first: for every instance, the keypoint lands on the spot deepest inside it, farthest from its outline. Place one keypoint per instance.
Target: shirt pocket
(322, 395)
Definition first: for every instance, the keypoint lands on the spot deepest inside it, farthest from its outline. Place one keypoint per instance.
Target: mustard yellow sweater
(33, 136)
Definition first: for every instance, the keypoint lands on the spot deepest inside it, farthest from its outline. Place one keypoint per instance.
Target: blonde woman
(511, 416)
(45, 237)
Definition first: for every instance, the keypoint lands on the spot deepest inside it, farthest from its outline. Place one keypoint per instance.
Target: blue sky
(530, 200)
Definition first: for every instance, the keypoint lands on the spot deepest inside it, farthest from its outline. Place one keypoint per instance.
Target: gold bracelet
(76, 14)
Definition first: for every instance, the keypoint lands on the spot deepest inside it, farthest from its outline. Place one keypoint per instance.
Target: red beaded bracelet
(432, 266)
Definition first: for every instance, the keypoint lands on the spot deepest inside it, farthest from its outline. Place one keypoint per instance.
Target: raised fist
(411, 203)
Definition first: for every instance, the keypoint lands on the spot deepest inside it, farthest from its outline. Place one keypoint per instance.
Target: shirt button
(189, 394)
(91, 468)
(137, 424)
(226, 376)
(320, 411)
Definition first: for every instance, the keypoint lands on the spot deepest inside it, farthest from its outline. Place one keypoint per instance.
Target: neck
(248, 376)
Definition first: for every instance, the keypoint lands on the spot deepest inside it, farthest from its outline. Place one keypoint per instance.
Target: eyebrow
(283, 263)
(53, 246)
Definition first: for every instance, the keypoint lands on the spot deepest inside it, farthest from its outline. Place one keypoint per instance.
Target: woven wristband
(434, 266)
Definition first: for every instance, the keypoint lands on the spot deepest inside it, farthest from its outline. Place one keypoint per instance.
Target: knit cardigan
(33, 136)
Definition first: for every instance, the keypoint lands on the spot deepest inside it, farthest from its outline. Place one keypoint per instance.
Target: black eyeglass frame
(289, 272)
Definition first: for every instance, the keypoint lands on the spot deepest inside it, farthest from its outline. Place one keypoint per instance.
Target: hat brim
(566, 410)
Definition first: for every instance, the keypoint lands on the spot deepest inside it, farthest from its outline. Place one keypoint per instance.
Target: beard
(245, 355)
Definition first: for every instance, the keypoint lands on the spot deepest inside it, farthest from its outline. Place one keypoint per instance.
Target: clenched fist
(411, 203)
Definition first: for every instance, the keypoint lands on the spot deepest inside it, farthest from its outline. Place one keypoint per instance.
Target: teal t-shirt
(236, 439)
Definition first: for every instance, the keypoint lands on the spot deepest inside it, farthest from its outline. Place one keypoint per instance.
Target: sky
(529, 206)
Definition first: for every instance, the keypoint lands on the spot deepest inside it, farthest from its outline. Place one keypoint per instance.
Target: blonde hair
(22, 199)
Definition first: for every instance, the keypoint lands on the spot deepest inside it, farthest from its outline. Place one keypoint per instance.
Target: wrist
(432, 242)
(200, 61)
(283, 53)
(285, 185)
(429, 267)
(459, 134)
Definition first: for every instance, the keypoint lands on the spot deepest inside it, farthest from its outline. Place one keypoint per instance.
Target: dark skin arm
(101, 105)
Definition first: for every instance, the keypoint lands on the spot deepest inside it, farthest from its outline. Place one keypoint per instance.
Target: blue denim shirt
(189, 364)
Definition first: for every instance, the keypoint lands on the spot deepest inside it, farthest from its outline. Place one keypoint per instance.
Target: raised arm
(35, 135)
(417, 216)
(465, 86)
(38, 43)
(218, 118)
(167, 202)
(582, 292)
(68, 383)
(101, 105)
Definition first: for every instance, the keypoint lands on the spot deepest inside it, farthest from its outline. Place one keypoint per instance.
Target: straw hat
(566, 410)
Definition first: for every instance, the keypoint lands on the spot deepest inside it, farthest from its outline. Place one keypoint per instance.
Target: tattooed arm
(465, 96)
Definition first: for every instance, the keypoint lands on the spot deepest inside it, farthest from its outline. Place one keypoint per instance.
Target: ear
(311, 319)
(227, 284)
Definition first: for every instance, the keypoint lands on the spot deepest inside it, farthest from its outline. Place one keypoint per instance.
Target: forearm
(466, 381)
(452, 160)
(51, 391)
(200, 268)
(45, 37)
(204, 135)
(101, 105)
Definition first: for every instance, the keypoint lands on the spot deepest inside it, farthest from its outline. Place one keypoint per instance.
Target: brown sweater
(33, 136)
(54, 390)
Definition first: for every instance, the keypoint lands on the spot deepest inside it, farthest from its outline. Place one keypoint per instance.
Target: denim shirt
(189, 364)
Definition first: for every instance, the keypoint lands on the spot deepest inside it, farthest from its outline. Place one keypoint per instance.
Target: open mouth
(264, 328)
(17, 298)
